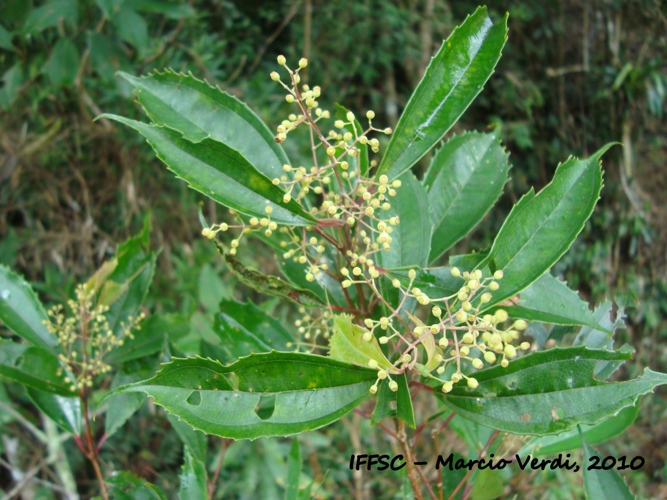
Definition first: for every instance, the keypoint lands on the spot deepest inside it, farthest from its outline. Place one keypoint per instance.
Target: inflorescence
(350, 206)
(85, 337)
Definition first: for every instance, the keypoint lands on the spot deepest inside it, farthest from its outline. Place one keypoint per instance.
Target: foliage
(352, 239)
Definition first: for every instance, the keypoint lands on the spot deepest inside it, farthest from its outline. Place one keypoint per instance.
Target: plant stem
(413, 475)
(91, 448)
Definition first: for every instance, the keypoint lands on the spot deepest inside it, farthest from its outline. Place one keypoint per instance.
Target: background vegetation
(574, 75)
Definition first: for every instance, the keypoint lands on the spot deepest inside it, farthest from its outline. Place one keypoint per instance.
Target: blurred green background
(574, 75)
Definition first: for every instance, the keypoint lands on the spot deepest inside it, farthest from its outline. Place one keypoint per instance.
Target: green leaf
(125, 405)
(549, 300)
(271, 285)
(487, 485)
(548, 392)
(410, 239)
(63, 63)
(271, 394)
(221, 173)
(602, 484)
(452, 80)
(194, 441)
(49, 15)
(540, 228)
(33, 367)
(391, 404)
(64, 411)
(5, 39)
(167, 9)
(465, 179)
(571, 440)
(12, 80)
(211, 288)
(22, 312)
(152, 338)
(127, 286)
(294, 466)
(601, 336)
(348, 346)
(245, 329)
(131, 27)
(194, 482)
(198, 110)
(127, 486)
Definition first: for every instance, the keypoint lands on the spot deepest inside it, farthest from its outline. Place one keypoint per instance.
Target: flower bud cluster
(85, 337)
(463, 336)
(311, 326)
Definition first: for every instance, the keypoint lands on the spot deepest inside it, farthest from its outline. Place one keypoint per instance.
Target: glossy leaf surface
(246, 329)
(21, 311)
(199, 110)
(549, 300)
(540, 228)
(465, 179)
(452, 80)
(219, 172)
(64, 411)
(548, 392)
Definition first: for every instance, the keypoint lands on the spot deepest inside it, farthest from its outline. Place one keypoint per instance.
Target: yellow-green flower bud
(447, 387)
(456, 272)
(281, 60)
(373, 364)
(478, 363)
(489, 357)
(472, 383)
(393, 386)
(275, 76)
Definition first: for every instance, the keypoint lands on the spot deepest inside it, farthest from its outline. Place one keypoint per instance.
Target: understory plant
(377, 322)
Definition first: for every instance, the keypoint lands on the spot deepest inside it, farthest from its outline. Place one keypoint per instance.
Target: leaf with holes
(270, 394)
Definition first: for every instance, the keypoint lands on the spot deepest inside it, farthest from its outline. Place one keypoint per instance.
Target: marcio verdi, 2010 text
(384, 462)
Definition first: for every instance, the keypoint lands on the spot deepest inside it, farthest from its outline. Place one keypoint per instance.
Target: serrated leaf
(21, 310)
(452, 80)
(603, 484)
(347, 345)
(33, 367)
(548, 392)
(64, 411)
(540, 228)
(245, 329)
(571, 440)
(199, 110)
(465, 179)
(221, 173)
(549, 300)
(271, 394)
